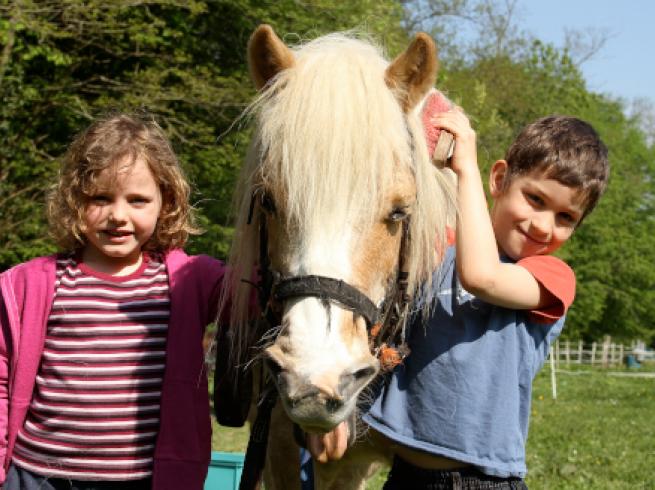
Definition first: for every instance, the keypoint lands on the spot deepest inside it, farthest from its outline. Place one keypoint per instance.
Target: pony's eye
(398, 214)
(267, 203)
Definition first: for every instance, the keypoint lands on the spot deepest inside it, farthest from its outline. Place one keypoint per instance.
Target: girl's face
(120, 218)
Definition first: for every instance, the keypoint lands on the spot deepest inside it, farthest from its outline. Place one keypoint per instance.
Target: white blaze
(313, 328)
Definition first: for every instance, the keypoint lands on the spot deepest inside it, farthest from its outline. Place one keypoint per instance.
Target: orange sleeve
(450, 240)
(558, 279)
(450, 236)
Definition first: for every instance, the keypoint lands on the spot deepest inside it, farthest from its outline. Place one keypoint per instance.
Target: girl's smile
(121, 217)
(118, 236)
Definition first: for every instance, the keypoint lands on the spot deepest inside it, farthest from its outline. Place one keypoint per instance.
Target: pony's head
(337, 165)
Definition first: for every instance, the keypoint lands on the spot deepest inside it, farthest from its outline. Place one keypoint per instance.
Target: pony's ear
(414, 71)
(267, 55)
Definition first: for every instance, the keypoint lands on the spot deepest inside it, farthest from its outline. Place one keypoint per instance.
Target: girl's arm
(4, 386)
(478, 262)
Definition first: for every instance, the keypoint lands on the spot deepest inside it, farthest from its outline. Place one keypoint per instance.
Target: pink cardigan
(183, 445)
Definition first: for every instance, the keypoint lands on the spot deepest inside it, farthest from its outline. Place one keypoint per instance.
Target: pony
(342, 215)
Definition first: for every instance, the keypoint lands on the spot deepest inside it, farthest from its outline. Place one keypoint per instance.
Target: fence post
(568, 353)
(579, 351)
(621, 356)
(606, 350)
(553, 380)
(557, 351)
(593, 353)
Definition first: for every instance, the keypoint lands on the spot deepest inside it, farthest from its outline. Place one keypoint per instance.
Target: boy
(456, 413)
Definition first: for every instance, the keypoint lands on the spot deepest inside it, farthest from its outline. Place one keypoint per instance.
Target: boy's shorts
(405, 476)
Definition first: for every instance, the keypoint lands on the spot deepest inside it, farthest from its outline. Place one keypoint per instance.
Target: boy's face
(533, 215)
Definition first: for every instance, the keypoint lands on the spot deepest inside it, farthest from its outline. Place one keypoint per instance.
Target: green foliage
(613, 252)
(612, 261)
(63, 62)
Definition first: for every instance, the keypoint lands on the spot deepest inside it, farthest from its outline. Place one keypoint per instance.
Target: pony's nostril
(363, 373)
(350, 383)
(333, 404)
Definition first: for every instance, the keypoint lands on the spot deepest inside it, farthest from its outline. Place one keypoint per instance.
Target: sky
(625, 66)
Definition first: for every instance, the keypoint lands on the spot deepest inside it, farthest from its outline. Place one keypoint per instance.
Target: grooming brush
(441, 143)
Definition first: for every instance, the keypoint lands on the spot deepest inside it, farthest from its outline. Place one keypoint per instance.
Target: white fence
(565, 353)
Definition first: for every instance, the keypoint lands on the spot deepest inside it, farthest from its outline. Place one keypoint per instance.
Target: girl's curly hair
(102, 146)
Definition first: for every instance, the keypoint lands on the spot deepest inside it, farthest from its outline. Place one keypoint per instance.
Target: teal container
(631, 362)
(224, 471)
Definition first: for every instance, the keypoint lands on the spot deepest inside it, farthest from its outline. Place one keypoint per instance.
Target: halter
(385, 326)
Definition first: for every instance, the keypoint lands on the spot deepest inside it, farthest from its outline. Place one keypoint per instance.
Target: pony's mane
(331, 135)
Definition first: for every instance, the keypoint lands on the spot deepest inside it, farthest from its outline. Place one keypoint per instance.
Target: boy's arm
(478, 263)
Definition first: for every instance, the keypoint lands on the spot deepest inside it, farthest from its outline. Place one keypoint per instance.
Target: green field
(598, 434)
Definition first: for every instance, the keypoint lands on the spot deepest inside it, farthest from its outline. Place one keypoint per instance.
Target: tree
(64, 62)
(502, 89)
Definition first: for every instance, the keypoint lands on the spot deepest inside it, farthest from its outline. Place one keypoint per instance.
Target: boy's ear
(497, 178)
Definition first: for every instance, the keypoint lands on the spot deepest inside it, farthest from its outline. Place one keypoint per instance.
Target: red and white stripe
(94, 414)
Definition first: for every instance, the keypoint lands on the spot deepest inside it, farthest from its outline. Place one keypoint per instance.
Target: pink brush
(440, 142)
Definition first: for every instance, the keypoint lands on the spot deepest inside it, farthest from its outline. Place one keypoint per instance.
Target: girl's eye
(139, 200)
(99, 199)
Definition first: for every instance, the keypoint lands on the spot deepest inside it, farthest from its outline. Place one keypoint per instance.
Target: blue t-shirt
(464, 391)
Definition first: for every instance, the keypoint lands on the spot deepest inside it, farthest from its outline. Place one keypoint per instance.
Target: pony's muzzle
(321, 402)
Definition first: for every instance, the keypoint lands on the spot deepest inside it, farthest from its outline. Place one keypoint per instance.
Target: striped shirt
(94, 413)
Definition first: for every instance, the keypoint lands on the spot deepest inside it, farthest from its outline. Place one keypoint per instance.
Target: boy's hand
(465, 155)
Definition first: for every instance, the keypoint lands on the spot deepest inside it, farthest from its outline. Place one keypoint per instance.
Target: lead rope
(255, 460)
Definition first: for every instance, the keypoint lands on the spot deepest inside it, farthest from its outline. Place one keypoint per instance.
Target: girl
(101, 362)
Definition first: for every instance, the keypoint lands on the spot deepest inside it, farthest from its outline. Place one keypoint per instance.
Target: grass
(598, 435)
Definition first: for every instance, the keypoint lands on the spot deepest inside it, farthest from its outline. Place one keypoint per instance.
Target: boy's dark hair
(565, 149)
(106, 143)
